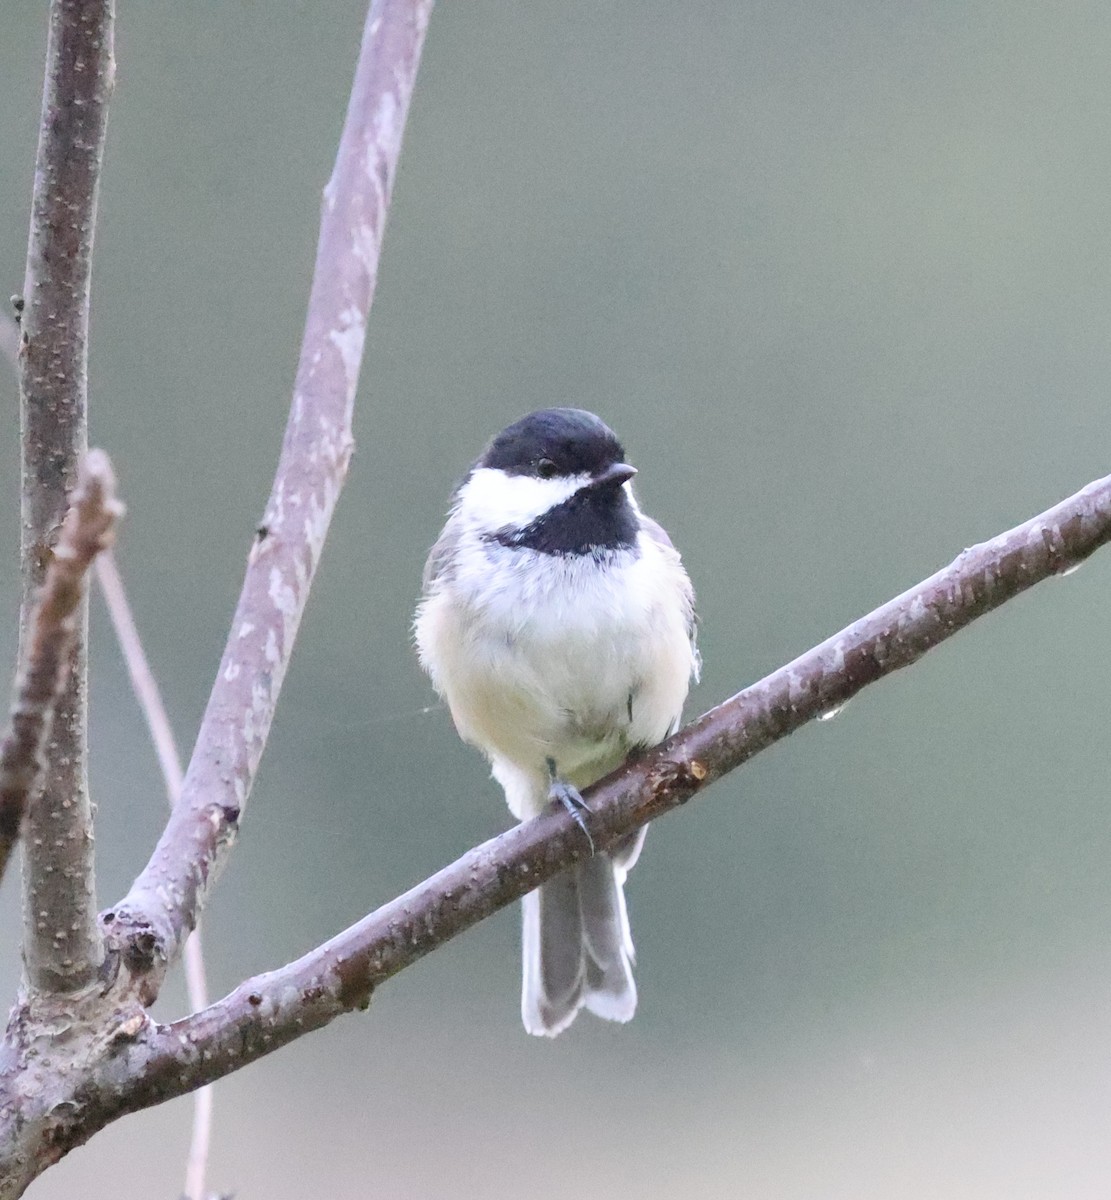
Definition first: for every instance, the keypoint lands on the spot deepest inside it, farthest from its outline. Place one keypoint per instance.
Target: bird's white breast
(543, 656)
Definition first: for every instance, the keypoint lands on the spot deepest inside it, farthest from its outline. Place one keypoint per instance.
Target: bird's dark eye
(545, 468)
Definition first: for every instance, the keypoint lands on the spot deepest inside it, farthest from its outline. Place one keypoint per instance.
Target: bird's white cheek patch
(491, 499)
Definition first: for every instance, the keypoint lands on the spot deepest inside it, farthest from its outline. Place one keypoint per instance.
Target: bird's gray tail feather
(577, 948)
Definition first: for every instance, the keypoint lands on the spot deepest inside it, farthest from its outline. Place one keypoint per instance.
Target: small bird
(558, 623)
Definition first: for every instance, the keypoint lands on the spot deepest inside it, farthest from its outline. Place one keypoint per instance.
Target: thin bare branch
(271, 1010)
(62, 947)
(88, 529)
(143, 683)
(146, 691)
(196, 1165)
(149, 925)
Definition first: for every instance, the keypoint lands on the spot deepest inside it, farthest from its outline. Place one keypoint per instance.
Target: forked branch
(149, 697)
(271, 1010)
(147, 928)
(55, 1092)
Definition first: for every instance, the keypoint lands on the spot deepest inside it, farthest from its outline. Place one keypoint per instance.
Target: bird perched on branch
(558, 623)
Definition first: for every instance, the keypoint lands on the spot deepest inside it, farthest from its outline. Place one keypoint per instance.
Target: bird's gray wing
(658, 534)
(625, 852)
(438, 567)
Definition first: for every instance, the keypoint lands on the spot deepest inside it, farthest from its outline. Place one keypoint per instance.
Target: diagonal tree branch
(271, 1010)
(147, 928)
(89, 528)
(62, 947)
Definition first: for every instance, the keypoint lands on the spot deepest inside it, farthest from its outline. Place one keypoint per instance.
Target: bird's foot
(563, 793)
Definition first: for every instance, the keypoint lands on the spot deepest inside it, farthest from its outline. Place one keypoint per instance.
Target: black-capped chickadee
(558, 623)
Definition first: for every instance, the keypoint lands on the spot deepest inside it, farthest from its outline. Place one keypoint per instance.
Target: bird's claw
(563, 793)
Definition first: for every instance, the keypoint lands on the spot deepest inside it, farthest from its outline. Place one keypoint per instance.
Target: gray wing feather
(438, 564)
(658, 534)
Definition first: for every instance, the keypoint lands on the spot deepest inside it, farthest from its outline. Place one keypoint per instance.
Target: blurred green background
(840, 276)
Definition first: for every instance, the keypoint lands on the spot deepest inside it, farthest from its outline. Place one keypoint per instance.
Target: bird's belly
(578, 673)
(531, 698)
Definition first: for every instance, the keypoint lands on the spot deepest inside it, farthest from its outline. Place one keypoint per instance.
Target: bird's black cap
(575, 441)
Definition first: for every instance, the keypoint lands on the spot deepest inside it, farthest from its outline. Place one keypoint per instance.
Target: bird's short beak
(613, 476)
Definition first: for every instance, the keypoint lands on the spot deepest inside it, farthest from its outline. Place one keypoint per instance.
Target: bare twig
(162, 735)
(271, 1010)
(142, 678)
(147, 928)
(196, 1165)
(89, 528)
(61, 945)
